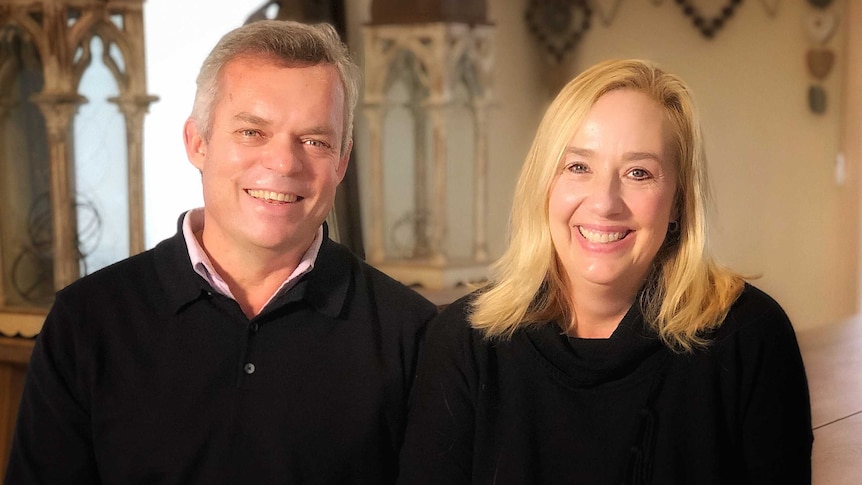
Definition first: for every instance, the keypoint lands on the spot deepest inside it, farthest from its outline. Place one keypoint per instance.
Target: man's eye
(249, 133)
(316, 143)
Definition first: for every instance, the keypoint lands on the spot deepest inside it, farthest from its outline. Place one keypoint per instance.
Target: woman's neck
(597, 312)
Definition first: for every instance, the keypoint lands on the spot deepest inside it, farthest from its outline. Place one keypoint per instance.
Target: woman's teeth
(601, 237)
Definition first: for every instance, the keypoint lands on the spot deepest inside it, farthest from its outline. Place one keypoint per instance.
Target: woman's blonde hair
(686, 293)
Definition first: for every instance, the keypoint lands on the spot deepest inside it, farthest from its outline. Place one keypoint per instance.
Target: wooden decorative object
(399, 12)
(44, 52)
(435, 57)
(14, 356)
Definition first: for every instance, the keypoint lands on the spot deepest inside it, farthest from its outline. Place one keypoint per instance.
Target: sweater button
(248, 368)
(254, 327)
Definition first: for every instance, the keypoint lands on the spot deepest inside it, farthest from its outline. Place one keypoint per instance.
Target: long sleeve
(438, 446)
(774, 406)
(52, 443)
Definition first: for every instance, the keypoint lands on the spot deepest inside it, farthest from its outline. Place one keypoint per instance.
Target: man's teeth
(600, 237)
(272, 196)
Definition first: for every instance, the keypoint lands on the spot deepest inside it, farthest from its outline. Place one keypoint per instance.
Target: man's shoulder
(148, 271)
(129, 271)
(397, 296)
(389, 295)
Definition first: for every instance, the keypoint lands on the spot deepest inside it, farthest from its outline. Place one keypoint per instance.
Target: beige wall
(779, 211)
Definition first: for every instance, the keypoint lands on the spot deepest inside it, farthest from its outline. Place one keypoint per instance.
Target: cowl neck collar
(631, 352)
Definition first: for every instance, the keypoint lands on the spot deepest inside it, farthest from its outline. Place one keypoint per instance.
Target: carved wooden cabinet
(440, 53)
(72, 102)
(14, 355)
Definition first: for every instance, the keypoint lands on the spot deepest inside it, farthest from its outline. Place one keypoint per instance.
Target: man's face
(273, 160)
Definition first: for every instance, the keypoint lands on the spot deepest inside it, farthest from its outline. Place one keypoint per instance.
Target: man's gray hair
(283, 41)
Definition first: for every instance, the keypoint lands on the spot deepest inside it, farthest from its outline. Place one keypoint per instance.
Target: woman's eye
(639, 174)
(577, 168)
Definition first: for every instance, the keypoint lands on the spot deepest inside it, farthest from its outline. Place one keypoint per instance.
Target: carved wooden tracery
(55, 36)
(433, 58)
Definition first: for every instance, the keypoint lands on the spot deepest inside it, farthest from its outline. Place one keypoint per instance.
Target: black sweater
(543, 408)
(143, 374)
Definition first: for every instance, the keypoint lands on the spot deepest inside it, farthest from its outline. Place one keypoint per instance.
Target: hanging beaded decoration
(558, 25)
(708, 26)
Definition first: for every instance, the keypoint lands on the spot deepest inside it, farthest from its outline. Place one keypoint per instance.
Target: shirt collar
(194, 222)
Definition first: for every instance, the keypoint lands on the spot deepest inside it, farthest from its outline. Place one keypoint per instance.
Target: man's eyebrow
(320, 130)
(250, 118)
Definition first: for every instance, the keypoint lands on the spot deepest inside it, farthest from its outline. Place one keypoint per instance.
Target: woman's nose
(605, 197)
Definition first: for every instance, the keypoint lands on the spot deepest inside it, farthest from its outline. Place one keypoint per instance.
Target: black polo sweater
(144, 374)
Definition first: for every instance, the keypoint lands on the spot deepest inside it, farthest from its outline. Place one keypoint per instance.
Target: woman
(609, 347)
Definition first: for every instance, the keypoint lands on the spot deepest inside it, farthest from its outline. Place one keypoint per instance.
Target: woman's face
(613, 196)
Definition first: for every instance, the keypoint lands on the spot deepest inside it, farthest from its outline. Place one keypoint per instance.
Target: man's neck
(252, 274)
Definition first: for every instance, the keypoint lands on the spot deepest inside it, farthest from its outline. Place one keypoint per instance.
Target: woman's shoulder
(451, 327)
(454, 317)
(755, 316)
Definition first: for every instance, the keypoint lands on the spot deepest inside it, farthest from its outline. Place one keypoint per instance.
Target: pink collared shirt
(193, 221)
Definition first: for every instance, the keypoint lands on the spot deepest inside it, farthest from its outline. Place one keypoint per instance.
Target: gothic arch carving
(58, 34)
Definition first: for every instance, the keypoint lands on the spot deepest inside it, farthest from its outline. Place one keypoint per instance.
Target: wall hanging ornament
(558, 25)
(607, 10)
(817, 99)
(821, 26)
(771, 7)
(819, 62)
(708, 26)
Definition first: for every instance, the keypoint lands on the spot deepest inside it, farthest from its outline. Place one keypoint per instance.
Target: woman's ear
(195, 144)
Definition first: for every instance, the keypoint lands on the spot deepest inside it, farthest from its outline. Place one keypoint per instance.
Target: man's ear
(196, 146)
(341, 169)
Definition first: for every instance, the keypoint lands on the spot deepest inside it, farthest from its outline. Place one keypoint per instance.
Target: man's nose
(283, 156)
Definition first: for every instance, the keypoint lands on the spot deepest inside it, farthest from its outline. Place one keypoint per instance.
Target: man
(248, 348)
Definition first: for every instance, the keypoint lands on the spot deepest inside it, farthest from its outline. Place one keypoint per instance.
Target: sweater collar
(325, 288)
(577, 362)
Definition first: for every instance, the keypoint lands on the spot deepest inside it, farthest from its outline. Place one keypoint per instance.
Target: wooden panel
(14, 356)
(833, 362)
(15, 351)
(837, 458)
